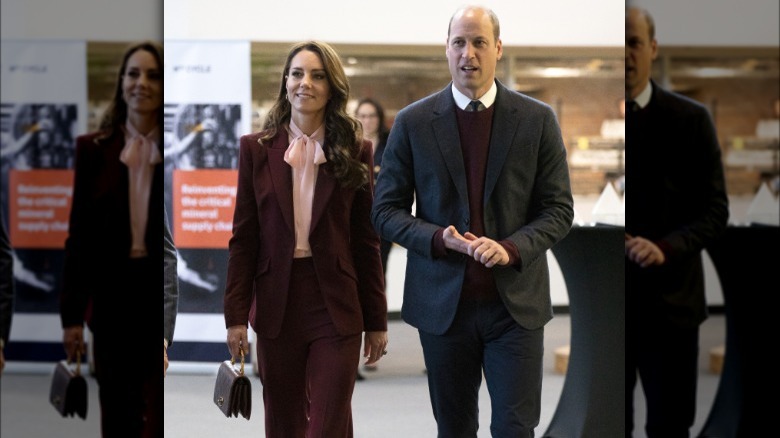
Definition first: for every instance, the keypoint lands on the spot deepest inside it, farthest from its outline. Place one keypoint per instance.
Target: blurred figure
(114, 250)
(6, 288)
(372, 116)
(615, 128)
(486, 169)
(770, 128)
(170, 290)
(304, 266)
(678, 206)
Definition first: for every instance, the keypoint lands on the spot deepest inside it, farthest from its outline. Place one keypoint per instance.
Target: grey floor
(391, 403)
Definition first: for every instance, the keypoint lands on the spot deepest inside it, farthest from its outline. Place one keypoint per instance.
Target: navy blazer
(6, 281)
(344, 245)
(677, 198)
(527, 201)
(170, 282)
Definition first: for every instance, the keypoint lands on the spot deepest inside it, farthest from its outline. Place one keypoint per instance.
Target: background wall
(714, 22)
(534, 23)
(95, 20)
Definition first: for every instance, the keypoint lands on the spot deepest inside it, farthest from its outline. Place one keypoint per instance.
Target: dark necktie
(475, 105)
(632, 106)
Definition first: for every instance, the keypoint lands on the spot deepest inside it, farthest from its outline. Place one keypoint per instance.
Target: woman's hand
(237, 341)
(374, 346)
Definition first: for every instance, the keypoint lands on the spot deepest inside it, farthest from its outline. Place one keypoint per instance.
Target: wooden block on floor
(716, 359)
(561, 359)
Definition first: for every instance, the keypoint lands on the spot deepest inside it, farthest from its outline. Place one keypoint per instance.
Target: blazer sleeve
(75, 294)
(551, 206)
(6, 282)
(711, 205)
(244, 243)
(171, 283)
(365, 250)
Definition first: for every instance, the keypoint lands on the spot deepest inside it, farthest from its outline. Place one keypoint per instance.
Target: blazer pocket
(347, 268)
(263, 266)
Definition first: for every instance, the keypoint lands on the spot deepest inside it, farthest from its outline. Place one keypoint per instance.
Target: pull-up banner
(43, 109)
(207, 109)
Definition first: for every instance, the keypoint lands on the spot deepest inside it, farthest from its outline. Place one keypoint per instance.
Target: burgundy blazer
(100, 237)
(344, 244)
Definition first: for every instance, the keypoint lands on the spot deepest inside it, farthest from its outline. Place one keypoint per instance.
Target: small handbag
(68, 392)
(233, 390)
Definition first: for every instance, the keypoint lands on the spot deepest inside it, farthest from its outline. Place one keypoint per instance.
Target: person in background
(486, 169)
(304, 266)
(6, 288)
(678, 207)
(170, 290)
(372, 117)
(114, 265)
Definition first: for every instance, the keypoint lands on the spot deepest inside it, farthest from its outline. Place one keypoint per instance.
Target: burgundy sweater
(474, 129)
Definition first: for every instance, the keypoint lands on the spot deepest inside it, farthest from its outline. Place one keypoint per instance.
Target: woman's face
(368, 116)
(142, 83)
(308, 89)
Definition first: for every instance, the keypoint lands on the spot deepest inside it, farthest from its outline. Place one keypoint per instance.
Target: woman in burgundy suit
(113, 268)
(304, 267)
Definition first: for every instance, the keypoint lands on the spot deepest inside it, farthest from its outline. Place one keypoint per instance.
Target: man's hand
(643, 252)
(455, 241)
(165, 357)
(486, 251)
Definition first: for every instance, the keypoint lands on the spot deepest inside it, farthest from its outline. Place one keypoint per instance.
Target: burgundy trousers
(308, 372)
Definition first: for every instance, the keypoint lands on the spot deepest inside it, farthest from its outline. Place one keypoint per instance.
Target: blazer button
(467, 221)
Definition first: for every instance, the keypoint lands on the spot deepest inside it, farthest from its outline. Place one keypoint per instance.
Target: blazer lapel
(281, 175)
(323, 190)
(445, 129)
(505, 123)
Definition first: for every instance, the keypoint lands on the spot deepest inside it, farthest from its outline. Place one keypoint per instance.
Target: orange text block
(39, 208)
(203, 204)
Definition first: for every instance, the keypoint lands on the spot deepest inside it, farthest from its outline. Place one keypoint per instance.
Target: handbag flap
(232, 391)
(223, 388)
(68, 392)
(59, 386)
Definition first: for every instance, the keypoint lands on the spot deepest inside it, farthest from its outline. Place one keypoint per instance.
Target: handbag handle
(78, 362)
(233, 360)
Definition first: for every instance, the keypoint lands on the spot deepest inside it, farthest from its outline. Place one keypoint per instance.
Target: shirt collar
(643, 98)
(487, 99)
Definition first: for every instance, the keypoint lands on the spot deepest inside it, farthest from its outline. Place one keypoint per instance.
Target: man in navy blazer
(485, 168)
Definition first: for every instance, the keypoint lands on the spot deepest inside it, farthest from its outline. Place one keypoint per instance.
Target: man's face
(472, 52)
(641, 50)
